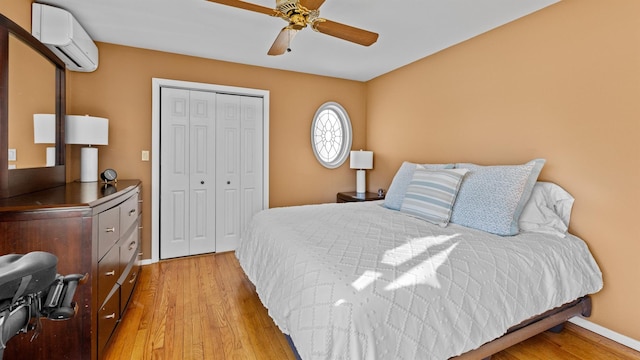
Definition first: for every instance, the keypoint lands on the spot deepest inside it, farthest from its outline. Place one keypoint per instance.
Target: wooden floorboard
(204, 307)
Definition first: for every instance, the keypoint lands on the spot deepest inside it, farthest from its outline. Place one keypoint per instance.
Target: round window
(331, 135)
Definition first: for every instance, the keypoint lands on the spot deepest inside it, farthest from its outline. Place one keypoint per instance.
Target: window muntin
(331, 135)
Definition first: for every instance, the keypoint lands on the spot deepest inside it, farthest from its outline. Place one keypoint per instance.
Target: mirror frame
(22, 181)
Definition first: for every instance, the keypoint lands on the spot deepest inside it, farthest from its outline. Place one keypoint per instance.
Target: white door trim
(156, 84)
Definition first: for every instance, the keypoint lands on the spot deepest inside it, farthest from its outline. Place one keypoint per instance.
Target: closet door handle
(111, 229)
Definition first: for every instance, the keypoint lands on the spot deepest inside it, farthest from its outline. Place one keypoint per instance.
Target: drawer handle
(140, 253)
(110, 273)
(132, 211)
(133, 278)
(111, 229)
(132, 245)
(110, 316)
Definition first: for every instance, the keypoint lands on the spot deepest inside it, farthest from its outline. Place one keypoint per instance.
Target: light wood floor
(204, 307)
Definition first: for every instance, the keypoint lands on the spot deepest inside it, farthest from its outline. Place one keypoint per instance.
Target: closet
(211, 169)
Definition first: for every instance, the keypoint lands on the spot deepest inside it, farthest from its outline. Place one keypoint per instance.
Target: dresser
(93, 229)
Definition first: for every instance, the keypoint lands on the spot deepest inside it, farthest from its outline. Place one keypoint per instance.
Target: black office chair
(31, 289)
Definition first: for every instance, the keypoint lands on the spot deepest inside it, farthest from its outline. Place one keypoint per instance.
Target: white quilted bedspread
(359, 281)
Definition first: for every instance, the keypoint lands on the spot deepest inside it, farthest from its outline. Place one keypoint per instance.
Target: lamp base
(88, 164)
(361, 181)
(51, 156)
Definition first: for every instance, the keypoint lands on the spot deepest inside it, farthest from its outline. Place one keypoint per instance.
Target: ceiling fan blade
(312, 4)
(283, 41)
(345, 32)
(247, 6)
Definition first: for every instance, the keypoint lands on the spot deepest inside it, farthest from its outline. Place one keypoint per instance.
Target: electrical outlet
(145, 155)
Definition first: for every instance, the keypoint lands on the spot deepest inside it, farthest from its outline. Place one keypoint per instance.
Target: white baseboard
(146, 262)
(610, 334)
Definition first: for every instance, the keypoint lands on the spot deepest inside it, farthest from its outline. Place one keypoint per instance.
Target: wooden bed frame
(551, 320)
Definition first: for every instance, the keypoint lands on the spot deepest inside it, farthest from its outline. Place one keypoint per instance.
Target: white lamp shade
(87, 130)
(361, 160)
(44, 128)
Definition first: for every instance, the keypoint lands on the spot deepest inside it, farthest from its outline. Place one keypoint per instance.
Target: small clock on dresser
(109, 175)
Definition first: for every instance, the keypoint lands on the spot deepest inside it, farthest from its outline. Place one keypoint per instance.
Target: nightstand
(355, 197)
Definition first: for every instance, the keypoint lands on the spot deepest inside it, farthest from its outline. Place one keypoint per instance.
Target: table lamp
(361, 160)
(87, 130)
(44, 132)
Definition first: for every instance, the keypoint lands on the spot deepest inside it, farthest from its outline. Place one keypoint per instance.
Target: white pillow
(548, 210)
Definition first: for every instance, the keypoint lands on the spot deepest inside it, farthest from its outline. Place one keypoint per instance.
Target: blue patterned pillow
(491, 198)
(432, 193)
(398, 187)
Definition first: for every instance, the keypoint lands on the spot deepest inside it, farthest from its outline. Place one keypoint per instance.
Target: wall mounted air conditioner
(61, 32)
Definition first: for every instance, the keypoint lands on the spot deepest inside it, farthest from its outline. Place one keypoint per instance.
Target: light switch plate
(145, 155)
(13, 155)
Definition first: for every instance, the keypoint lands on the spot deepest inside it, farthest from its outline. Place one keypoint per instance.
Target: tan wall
(17, 10)
(562, 84)
(32, 89)
(120, 90)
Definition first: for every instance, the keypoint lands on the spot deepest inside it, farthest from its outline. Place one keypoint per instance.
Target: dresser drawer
(108, 273)
(108, 230)
(129, 249)
(108, 317)
(127, 286)
(129, 212)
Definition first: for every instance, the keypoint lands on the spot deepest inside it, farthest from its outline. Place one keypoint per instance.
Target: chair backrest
(26, 274)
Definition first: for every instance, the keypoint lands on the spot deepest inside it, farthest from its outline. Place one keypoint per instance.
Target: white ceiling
(409, 30)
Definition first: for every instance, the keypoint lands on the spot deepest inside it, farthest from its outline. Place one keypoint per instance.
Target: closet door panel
(174, 173)
(228, 171)
(251, 158)
(202, 175)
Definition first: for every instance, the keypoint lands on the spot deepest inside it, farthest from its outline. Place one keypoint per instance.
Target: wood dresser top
(74, 194)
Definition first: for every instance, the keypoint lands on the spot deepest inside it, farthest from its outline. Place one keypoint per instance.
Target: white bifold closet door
(238, 165)
(210, 169)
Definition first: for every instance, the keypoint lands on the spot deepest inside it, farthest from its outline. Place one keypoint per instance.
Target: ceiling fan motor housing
(286, 6)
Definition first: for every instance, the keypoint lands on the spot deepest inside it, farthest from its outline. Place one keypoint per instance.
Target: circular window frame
(347, 134)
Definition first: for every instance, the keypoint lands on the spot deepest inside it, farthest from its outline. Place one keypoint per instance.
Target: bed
(363, 281)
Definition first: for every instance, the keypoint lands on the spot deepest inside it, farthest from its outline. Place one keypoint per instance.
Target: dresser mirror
(32, 82)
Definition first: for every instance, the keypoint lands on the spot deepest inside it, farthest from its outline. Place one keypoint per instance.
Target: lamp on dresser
(87, 130)
(44, 132)
(361, 160)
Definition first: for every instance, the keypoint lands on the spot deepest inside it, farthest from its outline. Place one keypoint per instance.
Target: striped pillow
(432, 193)
(400, 182)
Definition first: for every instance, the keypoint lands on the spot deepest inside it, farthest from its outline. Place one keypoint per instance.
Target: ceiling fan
(299, 14)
